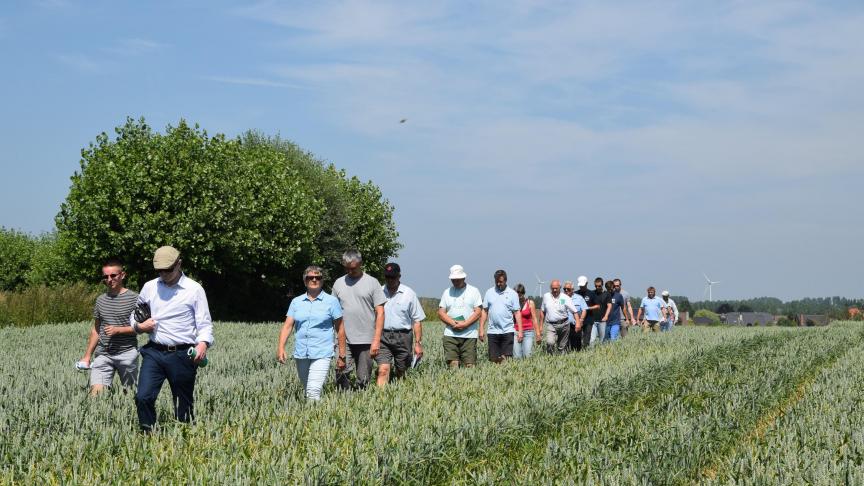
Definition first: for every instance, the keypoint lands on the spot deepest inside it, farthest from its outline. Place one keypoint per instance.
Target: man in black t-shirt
(582, 339)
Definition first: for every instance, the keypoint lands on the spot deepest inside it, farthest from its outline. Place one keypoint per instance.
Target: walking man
(112, 344)
(402, 315)
(654, 311)
(553, 314)
(628, 308)
(671, 312)
(575, 336)
(459, 310)
(592, 306)
(501, 309)
(362, 303)
(612, 316)
(604, 297)
(180, 321)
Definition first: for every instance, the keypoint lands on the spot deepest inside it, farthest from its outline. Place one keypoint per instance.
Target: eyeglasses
(111, 276)
(314, 277)
(568, 290)
(167, 270)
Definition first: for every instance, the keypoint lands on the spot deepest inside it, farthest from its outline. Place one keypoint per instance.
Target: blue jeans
(598, 332)
(613, 331)
(666, 325)
(523, 349)
(156, 367)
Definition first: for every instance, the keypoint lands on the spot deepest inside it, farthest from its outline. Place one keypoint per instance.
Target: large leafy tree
(244, 215)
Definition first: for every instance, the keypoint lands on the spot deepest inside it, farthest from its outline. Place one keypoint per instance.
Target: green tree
(715, 319)
(244, 215)
(358, 214)
(16, 251)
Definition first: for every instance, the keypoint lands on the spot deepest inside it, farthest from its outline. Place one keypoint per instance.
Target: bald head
(555, 287)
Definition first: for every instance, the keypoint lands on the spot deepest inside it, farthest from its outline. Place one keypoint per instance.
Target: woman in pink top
(529, 325)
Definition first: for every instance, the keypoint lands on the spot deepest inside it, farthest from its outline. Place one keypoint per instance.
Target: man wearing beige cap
(179, 322)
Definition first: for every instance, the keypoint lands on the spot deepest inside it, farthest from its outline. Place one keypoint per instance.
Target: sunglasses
(568, 290)
(111, 276)
(314, 277)
(167, 270)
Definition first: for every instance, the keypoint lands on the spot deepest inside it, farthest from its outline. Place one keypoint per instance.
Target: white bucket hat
(457, 272)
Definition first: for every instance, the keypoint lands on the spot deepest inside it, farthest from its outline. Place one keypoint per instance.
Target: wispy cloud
(713, 89)
(81, 62)
(134, 47)
(252, 82)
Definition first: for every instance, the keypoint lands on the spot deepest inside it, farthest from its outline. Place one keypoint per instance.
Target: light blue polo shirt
(652, 308)
(500, 306)
(580, 305)
(313, 325)
(402, 309)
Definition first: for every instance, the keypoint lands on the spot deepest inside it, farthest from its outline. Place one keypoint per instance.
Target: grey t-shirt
(114, 310)
(358, 298)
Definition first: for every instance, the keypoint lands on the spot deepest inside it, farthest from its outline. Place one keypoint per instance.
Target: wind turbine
(539, 288)
(708, 287)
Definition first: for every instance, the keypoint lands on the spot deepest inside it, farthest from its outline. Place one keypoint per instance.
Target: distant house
(701, 320)
(749, 318)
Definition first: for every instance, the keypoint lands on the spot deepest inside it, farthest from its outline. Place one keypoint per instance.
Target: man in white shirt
(553, 316)
(460, 312)
(403, 325)
(672, 314)
(179, 326)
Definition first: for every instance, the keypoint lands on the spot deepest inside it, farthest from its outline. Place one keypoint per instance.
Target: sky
(655, 141)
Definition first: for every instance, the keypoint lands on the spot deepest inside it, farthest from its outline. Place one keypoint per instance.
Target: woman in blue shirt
(313, 317)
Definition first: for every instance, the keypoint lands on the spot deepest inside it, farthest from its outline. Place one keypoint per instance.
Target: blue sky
(651, 140)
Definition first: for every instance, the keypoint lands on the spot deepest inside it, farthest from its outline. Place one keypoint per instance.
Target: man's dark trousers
(157, 366)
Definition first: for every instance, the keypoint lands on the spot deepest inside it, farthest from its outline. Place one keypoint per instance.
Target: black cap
(392, 270)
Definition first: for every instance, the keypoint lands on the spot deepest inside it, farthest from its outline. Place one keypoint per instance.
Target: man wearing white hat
(460, 312)
(180, 331)
(592, 302)
(672, 314)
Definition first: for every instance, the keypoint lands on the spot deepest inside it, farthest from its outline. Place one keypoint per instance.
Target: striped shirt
(114, 310)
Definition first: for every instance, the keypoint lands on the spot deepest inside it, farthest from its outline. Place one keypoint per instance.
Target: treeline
(835, 307)
(247, 213)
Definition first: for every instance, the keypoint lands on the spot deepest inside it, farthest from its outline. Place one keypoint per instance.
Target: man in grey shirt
(113, 344)
(362, 301)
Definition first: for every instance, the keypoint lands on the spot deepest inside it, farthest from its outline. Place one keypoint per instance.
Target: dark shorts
(396, 348)
(463, 350)
(500, 345)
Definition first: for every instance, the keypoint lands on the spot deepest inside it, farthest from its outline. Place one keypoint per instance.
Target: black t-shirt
(603, 299)
(590, 297)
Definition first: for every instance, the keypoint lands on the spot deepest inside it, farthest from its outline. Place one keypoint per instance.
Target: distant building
(701, 320)
(749, 318)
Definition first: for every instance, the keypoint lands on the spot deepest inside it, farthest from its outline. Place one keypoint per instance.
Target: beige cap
(165, 257)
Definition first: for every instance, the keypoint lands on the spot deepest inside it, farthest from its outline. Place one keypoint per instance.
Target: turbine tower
(710, 284)
(539, 288)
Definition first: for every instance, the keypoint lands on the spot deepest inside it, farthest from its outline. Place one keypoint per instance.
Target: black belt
(169, 349)
(398, 330)
(562, 321)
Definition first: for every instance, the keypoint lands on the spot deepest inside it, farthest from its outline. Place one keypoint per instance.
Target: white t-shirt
(459, 305)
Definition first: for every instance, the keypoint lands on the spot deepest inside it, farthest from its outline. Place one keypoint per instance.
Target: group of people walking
(361, 322)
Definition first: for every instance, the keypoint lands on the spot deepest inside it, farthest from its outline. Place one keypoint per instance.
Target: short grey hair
(568, 282)
(312, 269)
(351, 256)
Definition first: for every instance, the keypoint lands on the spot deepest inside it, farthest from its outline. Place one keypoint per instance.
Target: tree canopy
(247, 214)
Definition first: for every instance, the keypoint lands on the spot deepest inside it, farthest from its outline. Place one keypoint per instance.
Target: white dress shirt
(180, 311)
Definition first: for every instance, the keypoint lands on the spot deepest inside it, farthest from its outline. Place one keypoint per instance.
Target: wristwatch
(419, 343)
(342, 358)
